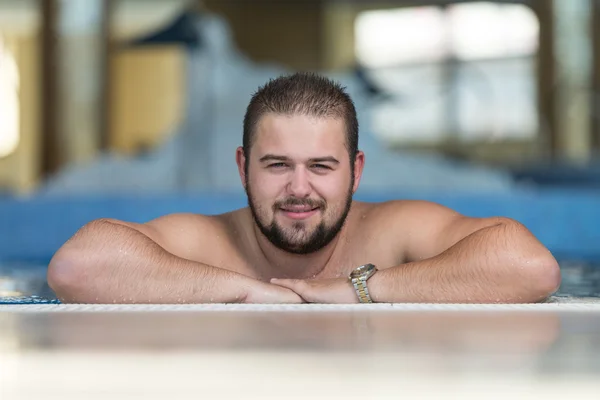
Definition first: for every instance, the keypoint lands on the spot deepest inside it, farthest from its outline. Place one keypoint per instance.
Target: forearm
(498, 264)
(110, 263)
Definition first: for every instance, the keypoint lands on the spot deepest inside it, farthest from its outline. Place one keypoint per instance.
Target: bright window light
(490, 94)
(477, 30)
(385, 38)
(9, 101)
(488, 30)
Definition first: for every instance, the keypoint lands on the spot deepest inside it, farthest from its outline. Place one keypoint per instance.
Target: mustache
(293, 201)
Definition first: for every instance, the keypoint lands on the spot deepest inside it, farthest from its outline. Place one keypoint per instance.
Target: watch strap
(360, 285)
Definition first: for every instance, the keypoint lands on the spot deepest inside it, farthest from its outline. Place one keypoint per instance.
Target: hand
(338, 290)
(265, 293)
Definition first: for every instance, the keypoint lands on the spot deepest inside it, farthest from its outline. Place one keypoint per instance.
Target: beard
(298, 239)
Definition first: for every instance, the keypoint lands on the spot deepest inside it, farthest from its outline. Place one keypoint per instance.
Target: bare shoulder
(425, 215)
(188, 235)
(399, 218)
(188, 223)
(398, 213)
(418, 228)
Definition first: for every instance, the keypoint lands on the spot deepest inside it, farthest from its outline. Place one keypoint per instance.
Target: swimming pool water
(26, 283)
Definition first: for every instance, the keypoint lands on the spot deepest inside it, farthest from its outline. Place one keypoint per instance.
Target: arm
(453, 258)
(109, 261)
(448, 258)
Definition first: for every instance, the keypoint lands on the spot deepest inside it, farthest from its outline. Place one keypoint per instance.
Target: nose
(299, 185)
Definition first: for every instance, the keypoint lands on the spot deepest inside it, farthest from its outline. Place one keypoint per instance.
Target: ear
(359, 164)
(240, 159)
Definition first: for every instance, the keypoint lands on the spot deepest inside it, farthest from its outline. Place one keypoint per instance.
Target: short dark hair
(302, 94)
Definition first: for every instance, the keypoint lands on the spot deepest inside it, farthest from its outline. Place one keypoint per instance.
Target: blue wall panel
(567, 221)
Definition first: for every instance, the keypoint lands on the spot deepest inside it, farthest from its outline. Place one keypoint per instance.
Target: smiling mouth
(299, 210)
(299, 213)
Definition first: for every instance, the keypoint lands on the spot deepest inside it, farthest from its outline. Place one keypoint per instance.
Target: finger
(266, 293)
(297, 285)
(290, 297)
(273, 294)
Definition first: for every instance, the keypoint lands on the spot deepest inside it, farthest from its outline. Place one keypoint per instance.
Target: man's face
(299, 180)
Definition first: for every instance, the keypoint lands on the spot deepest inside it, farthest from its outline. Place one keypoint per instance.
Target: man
(303, 238)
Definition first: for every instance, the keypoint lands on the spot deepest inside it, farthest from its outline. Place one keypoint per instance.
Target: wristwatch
(359, 278)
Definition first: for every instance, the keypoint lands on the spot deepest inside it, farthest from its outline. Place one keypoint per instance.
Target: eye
(276, 165)
(321, 166)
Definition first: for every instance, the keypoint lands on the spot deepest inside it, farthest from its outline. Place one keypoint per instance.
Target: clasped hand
(337, 290)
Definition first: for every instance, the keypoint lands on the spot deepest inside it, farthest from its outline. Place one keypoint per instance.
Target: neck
(283, 264)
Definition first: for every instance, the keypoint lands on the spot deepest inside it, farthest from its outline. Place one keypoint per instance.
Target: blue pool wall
(567, 221)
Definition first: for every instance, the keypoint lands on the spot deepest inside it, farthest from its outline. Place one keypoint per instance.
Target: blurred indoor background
(104, 99)
(104, 96)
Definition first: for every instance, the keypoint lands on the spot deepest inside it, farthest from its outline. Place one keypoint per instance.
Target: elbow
(542, 271)
(68, 270)
(65, 277)
(545, 278)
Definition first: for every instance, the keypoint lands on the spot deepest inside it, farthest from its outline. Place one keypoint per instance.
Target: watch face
(362, 270)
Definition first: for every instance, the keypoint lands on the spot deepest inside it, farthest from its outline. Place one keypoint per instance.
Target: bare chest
(355, 247)
(354, 253)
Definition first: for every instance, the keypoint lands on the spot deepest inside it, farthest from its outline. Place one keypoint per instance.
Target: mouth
(299, 212)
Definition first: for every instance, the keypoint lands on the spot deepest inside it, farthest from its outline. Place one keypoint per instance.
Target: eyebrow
(273, 157)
